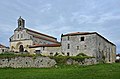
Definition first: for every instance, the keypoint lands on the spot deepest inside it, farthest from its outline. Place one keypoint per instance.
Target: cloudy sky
(55, 17)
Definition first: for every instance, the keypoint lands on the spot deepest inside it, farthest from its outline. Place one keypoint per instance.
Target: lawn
(101, 71)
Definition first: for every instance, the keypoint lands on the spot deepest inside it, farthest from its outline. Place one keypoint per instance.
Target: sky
(56, 17)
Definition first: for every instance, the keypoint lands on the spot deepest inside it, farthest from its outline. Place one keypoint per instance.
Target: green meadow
(100, 71)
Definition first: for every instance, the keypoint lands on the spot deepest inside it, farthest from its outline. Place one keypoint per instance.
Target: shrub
(63, 59)
(81, 54)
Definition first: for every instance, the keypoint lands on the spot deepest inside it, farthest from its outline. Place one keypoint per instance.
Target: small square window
(82, 38)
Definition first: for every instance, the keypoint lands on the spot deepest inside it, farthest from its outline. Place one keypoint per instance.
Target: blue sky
(55, 17)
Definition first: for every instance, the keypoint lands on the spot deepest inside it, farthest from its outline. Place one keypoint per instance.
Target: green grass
(101, 71)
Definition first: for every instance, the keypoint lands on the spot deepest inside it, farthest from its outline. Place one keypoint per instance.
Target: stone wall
(25, 62)
(76, 46)
(46, 51)
(93, 45)
(86, 61)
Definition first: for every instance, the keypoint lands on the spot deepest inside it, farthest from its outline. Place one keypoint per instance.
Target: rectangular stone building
(91, 44)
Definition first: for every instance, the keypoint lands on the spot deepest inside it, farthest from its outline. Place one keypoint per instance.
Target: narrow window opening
(68, 54)
(21, 35)
(68, 38)
(68, 46)
(18, 35)
(77, 47)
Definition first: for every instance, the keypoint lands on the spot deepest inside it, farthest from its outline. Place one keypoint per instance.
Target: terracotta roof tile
(45, 45)
(40, 33)
(2, 46)
(78, 33)
(36, 36)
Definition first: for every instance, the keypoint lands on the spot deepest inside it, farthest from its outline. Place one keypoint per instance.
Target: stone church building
(25, 40)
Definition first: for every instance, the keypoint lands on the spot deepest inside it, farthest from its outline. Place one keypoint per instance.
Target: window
(44, 42)
(18, 35)
(82, 38)
(68, 37)
(30, 37)
(21, 35)
(2, 50)
(68, 46)
(77, 47)
(40, 42)
(43, 48)
(37, 51)
(68, 54)
(85, 46)
(51, 54)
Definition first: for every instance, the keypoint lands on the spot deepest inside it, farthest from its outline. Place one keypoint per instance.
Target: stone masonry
(25, 62)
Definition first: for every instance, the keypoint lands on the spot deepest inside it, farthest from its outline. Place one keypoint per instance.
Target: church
(25, 40)
(92, 44)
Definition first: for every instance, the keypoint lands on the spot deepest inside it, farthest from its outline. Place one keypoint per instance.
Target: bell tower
(21, 23)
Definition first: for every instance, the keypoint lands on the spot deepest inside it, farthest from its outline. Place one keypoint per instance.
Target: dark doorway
(21, 49)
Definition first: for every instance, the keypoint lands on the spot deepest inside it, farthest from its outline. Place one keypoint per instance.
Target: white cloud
(46, 7)
(94, 19)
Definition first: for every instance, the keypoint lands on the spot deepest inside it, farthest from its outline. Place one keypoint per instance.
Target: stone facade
(46, 50)
(91, 44)
(25, 62)
(23, 38)
(86, 61)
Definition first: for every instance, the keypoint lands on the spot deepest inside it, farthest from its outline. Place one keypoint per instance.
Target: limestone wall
(86, 61)
(105, 49)
(46, 51)
(76, 46)
(24, 62)
(14, 46)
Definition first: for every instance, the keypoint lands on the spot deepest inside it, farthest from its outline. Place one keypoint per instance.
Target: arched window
(21, 35)
(18, 36)
(21, 48)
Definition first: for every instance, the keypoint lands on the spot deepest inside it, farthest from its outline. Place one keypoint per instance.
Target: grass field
(101, 71)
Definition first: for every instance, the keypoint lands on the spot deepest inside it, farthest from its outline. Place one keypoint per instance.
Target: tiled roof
(2, 46)
(40, 33)
(45, 45)
(78, 33)
(36, 36)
